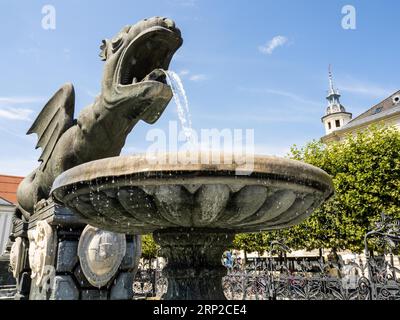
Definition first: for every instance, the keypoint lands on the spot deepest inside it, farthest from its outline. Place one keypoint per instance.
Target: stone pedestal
(19, 259)
(68, 260)
(7, 281)
(194, 270)
(6, 277)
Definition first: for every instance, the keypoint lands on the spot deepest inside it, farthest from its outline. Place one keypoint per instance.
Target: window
(377, 110)
(396, 99)
(329, 126)
(337, 122)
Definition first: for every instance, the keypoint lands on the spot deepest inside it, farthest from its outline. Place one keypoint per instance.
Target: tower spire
(336, 116)
(333, 95)
(331, 87)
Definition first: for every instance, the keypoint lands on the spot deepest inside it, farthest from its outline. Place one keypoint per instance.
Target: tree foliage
(365, 169)
(149, 248)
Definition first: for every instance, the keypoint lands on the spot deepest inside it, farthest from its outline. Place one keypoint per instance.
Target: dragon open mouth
(148, 55)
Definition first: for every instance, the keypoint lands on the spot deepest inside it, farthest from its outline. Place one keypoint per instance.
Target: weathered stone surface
(130, 93)
(7, 293)
(212, 200)
(55, 215)
(37, 293)
(42, 250)
(64, 288)
(23, 286)
(80, 278)
(133, 253)
(122, 288)
(100, 254)
(6, 276)
(94, 295)
(18, 256)
(67, 256)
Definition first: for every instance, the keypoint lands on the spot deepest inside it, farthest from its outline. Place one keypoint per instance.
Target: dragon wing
(55, 118)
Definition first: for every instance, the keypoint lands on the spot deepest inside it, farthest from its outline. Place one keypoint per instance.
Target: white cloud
(270, 149)
(18, 100)
(197, 77)
(365, 89)
(301, 101)
(268, 116)
(184, 72)
(18, 166)
(16, 113)
(274, 43)
(9, 111)
(192, 77)
(183, 3)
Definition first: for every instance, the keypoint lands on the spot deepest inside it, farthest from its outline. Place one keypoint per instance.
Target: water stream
(181, 101)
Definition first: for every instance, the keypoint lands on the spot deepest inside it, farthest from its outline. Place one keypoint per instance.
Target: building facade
(8, 200)
(339, 123)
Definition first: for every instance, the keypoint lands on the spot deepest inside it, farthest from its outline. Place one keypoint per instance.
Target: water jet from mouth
(181, 101)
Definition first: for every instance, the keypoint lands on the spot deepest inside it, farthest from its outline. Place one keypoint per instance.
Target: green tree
(253, 242)
(149, 248)
(365, 169)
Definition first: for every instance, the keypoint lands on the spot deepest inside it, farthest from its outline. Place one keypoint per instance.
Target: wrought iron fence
(375, 277)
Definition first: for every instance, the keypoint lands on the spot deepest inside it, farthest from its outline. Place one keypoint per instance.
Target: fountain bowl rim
(139, 164)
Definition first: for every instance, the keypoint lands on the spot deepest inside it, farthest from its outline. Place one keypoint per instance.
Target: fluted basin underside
(130, 195)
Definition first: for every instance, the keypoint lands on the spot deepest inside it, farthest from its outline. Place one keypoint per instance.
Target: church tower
(336, 116)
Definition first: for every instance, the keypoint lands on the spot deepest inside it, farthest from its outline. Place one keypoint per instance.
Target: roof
(375, 117)
(8, 188)
(380, 110)
(5, 202)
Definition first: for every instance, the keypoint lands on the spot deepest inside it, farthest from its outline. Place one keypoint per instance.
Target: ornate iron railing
(376, 277)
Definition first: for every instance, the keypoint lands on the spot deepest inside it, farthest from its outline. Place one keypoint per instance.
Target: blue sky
(231, 77)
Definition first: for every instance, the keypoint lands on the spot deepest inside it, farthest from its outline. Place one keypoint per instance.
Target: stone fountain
(193, 210)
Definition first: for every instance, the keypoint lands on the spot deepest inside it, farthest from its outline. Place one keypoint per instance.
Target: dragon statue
(134, 88)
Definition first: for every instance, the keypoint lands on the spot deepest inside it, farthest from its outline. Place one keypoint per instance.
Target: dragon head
(135, 58)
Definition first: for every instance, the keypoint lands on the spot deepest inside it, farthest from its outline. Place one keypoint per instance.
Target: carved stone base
(19, 259)
(194, 270)
(56, 271)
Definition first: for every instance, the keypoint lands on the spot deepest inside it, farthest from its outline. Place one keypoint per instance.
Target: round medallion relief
(100, 253)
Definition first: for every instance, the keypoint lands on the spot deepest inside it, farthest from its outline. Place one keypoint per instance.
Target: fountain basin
(129, 194)
(193, 210)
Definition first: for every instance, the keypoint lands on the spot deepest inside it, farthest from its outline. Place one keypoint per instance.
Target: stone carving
(17, 256)
(42, 249)
(100, 253)
(134, 88)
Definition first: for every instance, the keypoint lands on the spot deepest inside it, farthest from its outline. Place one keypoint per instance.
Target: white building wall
(6, 213)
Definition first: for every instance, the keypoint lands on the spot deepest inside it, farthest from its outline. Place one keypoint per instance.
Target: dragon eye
(116, 43)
